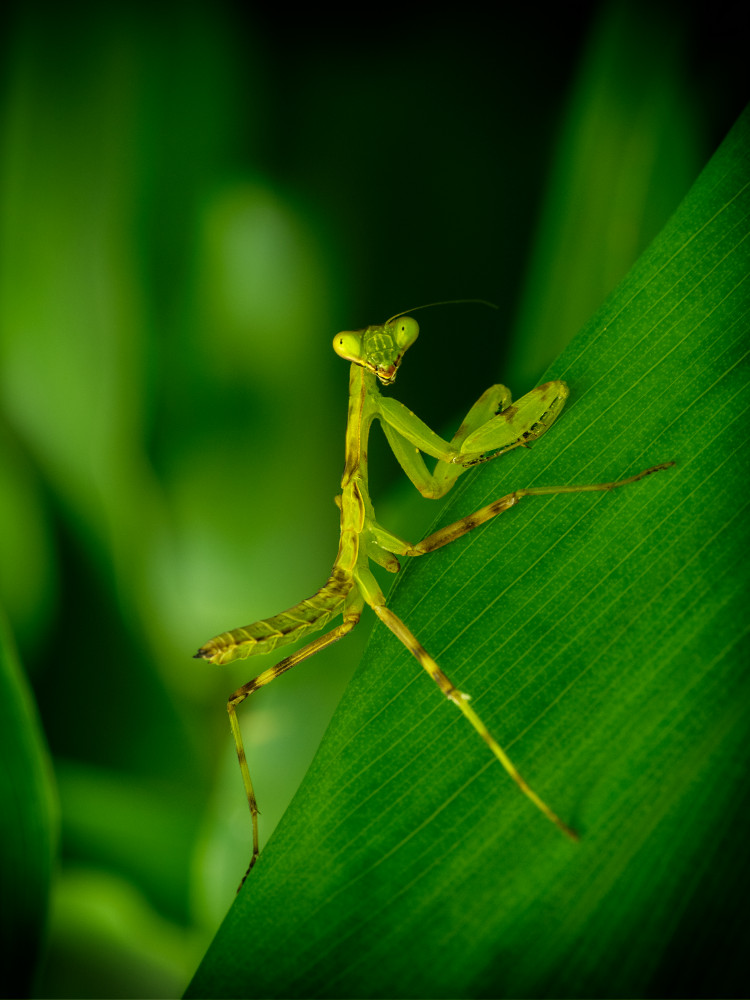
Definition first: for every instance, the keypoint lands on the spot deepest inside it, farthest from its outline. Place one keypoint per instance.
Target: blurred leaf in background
(28, 830)
(628, 149)
(193, 199)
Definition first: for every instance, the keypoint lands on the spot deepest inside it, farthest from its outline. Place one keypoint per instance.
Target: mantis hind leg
(351, 617)
(461, 701)
(374, 596)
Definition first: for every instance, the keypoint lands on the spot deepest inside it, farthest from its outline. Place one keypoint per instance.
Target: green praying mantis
(493, 426)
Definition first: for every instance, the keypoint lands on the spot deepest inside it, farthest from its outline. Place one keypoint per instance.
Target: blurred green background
(193, 199)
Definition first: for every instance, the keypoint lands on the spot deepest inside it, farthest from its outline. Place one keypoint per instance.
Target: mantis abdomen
(268, 634)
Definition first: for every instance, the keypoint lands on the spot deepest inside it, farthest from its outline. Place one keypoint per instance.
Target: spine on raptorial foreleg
(269, 633)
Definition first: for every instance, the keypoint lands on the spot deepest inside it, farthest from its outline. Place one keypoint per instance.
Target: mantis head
(379, 349)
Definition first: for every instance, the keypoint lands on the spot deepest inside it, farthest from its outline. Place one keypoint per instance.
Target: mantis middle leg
(451, 532)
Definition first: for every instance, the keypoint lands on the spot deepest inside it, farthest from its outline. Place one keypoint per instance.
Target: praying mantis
(493, 426)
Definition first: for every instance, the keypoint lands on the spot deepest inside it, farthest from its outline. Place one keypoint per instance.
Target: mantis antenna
(446, 302)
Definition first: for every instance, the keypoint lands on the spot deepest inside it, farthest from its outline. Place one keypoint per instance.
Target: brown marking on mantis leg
(351, 618)
(461, 700)
(453, 531)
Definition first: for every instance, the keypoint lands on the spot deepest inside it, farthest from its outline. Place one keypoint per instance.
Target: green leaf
(28, 831)
(601, 638)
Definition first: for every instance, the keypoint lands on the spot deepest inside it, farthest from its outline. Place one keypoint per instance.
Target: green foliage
(627, 147)
(603, 638)
(28, 830)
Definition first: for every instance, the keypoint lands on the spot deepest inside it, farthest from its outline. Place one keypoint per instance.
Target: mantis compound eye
(406, 331)
(348, 346)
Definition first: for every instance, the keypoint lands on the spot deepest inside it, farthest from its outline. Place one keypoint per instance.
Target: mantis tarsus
(493, 426)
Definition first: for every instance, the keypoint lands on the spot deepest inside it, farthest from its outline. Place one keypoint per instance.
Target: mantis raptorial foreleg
(492, 426)
(435, 484)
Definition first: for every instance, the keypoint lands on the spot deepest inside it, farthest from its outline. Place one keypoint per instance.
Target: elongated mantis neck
(363, 393)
